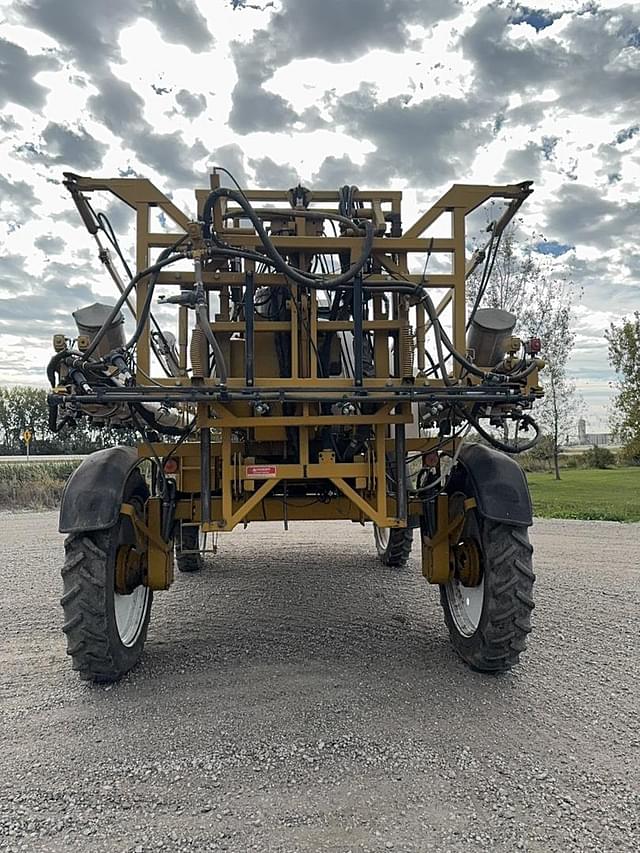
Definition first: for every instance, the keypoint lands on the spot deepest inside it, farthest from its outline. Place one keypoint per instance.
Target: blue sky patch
(539, 19)
(551, 247)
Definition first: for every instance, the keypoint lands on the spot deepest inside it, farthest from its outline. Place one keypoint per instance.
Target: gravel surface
(297, 696)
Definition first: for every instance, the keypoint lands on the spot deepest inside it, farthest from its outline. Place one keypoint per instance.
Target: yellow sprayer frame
(220, 488)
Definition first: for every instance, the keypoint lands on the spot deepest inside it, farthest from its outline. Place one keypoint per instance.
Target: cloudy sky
(407, 94)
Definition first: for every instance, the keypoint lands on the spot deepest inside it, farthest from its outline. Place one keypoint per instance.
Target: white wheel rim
(465, 605)
(382, 537)
(130, 611)
(202, 542)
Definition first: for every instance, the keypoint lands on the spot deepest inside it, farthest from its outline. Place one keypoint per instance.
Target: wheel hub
(466, 563)
(129, 569)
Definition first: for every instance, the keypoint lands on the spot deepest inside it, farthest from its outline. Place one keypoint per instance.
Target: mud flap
(499, 485)
(94, 493)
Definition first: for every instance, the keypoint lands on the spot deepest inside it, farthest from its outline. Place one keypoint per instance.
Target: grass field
(33, 485)
(608, 495)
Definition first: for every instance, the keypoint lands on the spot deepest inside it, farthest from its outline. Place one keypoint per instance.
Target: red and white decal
(261, 472)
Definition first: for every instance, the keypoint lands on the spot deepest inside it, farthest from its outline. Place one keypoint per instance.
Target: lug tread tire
(398, 549)
(85, 602)
(501, 636)
(188, 562)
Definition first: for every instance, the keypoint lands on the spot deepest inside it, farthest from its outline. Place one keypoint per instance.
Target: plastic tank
(488, 334)
(90, 320)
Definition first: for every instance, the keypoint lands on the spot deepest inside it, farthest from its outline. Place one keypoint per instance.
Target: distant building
(600, 439)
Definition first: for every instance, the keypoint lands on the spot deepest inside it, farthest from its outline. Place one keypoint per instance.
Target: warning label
(261, 472)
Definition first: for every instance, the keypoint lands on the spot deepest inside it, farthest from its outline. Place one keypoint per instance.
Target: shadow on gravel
(331, 613)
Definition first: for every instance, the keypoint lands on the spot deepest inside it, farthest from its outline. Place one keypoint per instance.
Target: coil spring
(406, 352)
(198, 354)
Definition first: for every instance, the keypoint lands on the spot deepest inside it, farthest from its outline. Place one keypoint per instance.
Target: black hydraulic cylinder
(205, 474)
(357, 330)
(401, 472)
(249, 338)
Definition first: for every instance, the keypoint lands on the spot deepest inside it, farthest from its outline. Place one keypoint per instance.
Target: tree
(548, 316)
(598, 457)
(23, 407)
(624, 356)
(542, 303)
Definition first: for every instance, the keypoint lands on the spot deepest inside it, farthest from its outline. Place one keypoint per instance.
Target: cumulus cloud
(332, 30)
(64, 146)
(191, 105)
(17, 199)
(273, 175)
(427, 143)
(49, 245)
(589, 62)
(88, 30)
(17, 70)
(121, 110)
(522, 164)
(581, 214)
(337, 171)
(256, 109)
(230, 157)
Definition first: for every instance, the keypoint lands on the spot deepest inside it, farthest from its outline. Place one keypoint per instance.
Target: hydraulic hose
(123, 298)
(500, 445)
(54, 364)
(438, 332)
(203, 323)
(146, 308)
(278, 261)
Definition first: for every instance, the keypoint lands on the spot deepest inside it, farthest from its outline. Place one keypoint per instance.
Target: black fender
(93, 494)
(498, 483)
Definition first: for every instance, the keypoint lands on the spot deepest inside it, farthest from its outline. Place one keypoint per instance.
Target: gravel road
(297, 696)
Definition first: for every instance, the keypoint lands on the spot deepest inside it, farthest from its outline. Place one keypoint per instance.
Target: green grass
(610, 495)
(607, 495)
(33, 485)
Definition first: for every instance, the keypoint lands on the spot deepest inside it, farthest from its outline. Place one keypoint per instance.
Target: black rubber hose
(123, 298)
(279, 262)
(500, 445)
(54, 364)
(438, 332)
(146, 308)
(203, 323)
(52, 421)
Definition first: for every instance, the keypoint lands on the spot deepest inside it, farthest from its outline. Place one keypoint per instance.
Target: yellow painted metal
(159, 554)
(437, 550)
(288, 431)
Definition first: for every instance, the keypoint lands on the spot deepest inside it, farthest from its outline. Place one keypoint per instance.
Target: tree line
(24, 409)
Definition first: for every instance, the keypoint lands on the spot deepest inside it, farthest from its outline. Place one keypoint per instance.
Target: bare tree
(542, 303)
(548, 316)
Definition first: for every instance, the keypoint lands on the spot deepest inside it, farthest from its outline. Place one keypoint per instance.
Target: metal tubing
(357, 330)
(205, 475)
(249, 341)
(476, 394)
(401, 472)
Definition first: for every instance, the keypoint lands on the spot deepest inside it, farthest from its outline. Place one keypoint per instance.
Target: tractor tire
(188, 539)
(105, 630)
(393, 545)
(489, 622)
